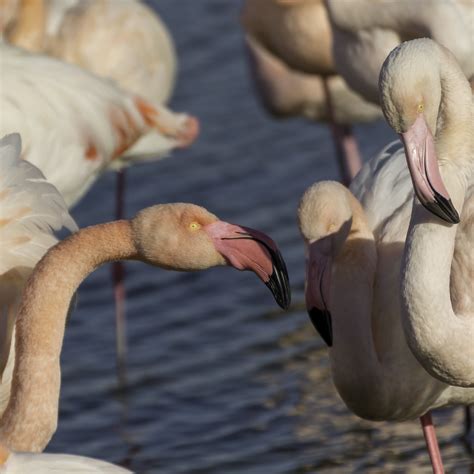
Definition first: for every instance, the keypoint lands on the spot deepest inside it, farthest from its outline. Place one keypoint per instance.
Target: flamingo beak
(248, 249)
(423, 165)
(318, 281)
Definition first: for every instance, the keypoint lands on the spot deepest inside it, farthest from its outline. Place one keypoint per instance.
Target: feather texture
(31, 210)
(74, 124)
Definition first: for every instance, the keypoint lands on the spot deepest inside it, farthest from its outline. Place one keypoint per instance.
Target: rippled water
(221, 380)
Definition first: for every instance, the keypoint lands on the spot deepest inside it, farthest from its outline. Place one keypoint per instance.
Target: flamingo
(359, 251)
(75, 125)
(289, 45)
(353, 270)
(124, 41)
(366, 31)
(434, 118)
(179, 236)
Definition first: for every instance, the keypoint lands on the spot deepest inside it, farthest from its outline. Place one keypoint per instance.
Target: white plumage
(45, 463)
(31, 209)
(122, 40)
(74, 125)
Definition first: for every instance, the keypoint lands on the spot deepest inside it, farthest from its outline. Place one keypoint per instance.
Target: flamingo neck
(369, 356)
(353, 351)
(441, 339)
(4, 454)
(29, 30)
(30, 418)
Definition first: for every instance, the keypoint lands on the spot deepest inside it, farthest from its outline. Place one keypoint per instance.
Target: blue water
(220, 380)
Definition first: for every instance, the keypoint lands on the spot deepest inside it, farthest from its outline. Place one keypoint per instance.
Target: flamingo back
(73, 123)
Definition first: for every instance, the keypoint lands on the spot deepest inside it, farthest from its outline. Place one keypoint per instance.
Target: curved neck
(454, 131)
(354, 274)
(369, 357)
(442, 340)
(31, 415)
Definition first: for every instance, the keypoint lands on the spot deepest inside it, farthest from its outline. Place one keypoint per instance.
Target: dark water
(221, 380)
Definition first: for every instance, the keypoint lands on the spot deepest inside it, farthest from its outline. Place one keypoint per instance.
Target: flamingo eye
(421, 107)
(194, 226)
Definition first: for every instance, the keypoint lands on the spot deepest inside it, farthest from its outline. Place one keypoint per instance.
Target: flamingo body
(49, 463)
(75, 125)
(289, 46)
(434, 118)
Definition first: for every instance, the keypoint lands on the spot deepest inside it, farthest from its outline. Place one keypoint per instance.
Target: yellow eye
(194, 226)
(421, 107)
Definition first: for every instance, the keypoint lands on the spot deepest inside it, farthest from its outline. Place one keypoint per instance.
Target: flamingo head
(325, 220)
(187, 237)
(411, 94)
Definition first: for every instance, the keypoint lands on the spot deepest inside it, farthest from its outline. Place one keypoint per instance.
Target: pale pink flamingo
(179, 236)
(75, 125)
(353, 299)
(370, 241)
(289, 44)
(434, 118)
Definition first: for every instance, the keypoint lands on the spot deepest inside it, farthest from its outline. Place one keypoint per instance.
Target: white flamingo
(289, 45)
(365, 32)
(124, 41)
(357, 251)
(353, 271)
(435, 120)
(75, 125)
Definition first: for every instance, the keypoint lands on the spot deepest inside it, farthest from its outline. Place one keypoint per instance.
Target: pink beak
(423, 165)
(318, 281)
(248, 249)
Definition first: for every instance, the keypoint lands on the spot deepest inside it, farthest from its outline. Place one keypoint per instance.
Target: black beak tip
(322, 322)
(280, 288)
(444, 209)
(279, 282)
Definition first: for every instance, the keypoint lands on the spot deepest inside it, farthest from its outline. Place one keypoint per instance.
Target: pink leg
(347, 152)
(119, 290)
(432, 443)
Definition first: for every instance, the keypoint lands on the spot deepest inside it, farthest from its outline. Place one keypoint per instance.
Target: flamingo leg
(347, 151)
(468, 428)
(432, 443)
(118, 274)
